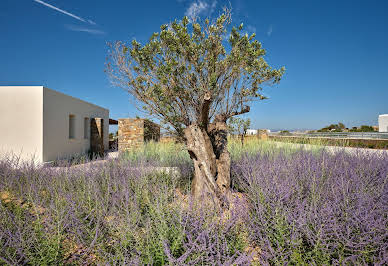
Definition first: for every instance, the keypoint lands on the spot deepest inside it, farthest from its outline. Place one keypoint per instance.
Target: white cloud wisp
(63, 11)
(84, 29)
(270, 29)
(74, 27)
(200, 7)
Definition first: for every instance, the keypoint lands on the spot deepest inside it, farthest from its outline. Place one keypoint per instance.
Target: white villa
(43, 124)
(383, 123)
(251, 132)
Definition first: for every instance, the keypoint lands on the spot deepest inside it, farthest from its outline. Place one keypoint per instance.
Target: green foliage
(238, 125)
(41, 247)
(340, 127)
(166, 153)
(363, 128)
(161, 218)
(193, 72)
(169, 154)
(285, 133)
(333, 128)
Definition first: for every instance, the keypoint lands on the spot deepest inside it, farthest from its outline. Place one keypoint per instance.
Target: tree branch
(205, 110)
(223, 117)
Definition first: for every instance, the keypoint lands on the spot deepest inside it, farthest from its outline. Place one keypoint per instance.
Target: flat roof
(74, 98)
(113, 121)
(21, 86)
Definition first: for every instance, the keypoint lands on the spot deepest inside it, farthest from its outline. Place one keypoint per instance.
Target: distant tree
(333, 128)
(341, 126)
(113, 135)
(194, 76)
(285, 133)
(239, 126)
(365, 128)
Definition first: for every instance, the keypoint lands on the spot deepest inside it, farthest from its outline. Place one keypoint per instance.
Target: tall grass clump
(169, 154)
(253, 146)
(317, 209)
(165, 154)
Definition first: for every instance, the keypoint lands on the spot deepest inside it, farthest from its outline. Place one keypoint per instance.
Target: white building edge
(383, 123)
(44, 125)
(251, 132)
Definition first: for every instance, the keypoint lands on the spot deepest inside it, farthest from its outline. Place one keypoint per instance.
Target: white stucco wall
(34, 123)
(383, 123)
(21, 122)
(56, 110)
(251, 131)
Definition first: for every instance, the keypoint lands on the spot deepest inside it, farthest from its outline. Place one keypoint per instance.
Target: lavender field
(290, 206)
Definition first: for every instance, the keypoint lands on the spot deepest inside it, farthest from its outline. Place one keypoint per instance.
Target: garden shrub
(317, 209)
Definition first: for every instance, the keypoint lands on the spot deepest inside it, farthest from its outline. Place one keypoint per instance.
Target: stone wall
(262, 134)
(133, 132)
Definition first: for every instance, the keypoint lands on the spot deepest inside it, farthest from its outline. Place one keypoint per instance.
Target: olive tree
(194, 76)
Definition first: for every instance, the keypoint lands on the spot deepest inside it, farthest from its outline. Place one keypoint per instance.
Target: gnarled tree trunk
(208, 150)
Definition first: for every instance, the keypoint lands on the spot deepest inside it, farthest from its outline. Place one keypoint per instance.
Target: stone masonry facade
(262, 134)
(133, 132)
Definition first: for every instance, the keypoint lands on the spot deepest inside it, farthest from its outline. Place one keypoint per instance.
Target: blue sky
(335, 52)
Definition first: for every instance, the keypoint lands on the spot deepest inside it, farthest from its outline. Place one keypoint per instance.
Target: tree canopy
(193, 72)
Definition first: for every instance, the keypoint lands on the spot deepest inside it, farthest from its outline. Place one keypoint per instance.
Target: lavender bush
(296, 207)
(317, 209)
(113, 213)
